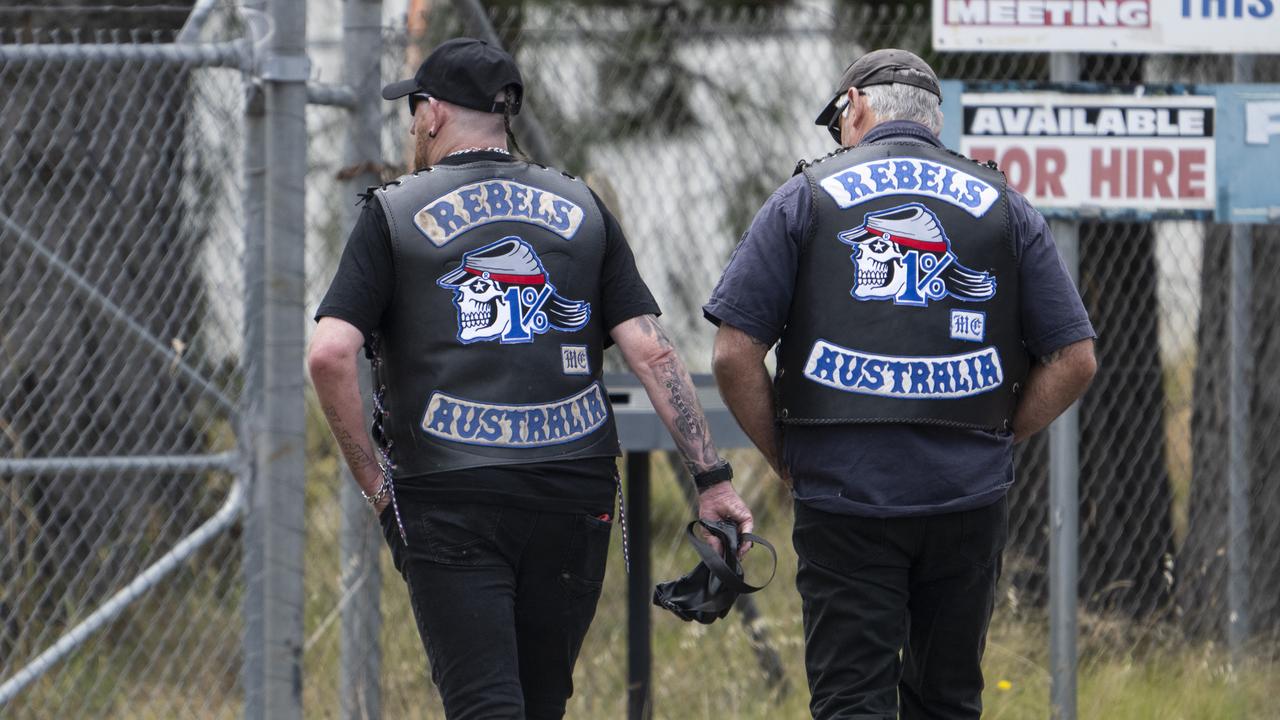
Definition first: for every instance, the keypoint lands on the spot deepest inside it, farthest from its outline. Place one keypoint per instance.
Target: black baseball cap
(465, 72)
(883, 67)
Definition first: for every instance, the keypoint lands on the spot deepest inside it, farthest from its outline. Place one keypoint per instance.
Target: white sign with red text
(1121, 26)
(1113, 152)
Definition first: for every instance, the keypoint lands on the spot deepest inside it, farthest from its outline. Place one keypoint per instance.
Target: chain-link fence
(121, 289)
(122, 389)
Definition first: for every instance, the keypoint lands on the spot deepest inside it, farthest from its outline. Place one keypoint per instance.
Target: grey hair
(905, 102)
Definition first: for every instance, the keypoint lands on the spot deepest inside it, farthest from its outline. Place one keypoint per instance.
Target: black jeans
(870, 587)
(503, 598)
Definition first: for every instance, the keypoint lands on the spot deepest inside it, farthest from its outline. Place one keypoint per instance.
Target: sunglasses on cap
(414, 99)
(833, 126)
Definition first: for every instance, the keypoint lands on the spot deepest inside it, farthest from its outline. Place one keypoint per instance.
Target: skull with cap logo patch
(502, 292)
(879, 269)
(483, 310)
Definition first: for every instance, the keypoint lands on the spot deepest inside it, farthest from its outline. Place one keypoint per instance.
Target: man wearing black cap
(909, 291)
(484, 290)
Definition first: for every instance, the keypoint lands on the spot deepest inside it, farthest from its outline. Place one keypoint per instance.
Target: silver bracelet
(381, 493)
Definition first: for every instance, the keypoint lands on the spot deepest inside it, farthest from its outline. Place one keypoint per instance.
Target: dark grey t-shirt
(891, 470)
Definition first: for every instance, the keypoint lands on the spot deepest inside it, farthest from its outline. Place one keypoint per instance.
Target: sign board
(1117, 26)
(1248, 153)
(1097, 152)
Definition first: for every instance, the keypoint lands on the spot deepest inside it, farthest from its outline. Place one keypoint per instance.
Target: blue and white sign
(1248, 153)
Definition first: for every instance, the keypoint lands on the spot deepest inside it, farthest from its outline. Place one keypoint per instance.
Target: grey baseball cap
(882, 67)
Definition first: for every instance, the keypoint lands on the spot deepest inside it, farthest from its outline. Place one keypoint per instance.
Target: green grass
(175, 653)
(701, 671)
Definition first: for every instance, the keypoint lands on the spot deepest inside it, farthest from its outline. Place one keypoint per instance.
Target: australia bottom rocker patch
(948, 376)
(516, 426)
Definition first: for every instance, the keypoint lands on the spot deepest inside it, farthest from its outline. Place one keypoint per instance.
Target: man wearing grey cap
(485, 289)
(925, 324)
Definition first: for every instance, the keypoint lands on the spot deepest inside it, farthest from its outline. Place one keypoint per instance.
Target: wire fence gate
(178, 538)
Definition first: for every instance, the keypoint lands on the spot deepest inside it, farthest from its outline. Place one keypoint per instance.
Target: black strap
(731, 577)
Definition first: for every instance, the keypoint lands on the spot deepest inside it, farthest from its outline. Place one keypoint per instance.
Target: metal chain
(384, 444)
(622, 519)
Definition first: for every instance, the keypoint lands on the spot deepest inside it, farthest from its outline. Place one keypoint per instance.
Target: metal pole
(279, 495)
(1240, 333)
(360, 657)
(1064, 484)
(639, 590)
(250, 425)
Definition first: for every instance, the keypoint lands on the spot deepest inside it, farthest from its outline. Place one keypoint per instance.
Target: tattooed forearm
(691, 434)
(351, 447)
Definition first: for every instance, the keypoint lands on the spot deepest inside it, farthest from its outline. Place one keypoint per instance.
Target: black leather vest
(492, 347)
(906, 301)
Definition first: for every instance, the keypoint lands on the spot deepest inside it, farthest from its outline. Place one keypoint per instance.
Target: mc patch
(968, 325)
(574, 360)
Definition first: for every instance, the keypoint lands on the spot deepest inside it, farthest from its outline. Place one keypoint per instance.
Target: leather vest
(491, 350)
(906, 301)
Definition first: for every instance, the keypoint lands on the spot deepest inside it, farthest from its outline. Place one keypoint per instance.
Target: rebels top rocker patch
(503, 293)
(910, 176)
(479, 203)
(903, 254)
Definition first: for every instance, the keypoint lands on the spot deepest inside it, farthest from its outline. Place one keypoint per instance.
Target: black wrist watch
(716, 475)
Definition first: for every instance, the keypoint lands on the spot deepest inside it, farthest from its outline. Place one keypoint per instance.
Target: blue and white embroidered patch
(516, 426)
(502, 292)
(492, 200)
(910, 176)
(968, 325)
(949, 376)
(903, 254)
(574, 360)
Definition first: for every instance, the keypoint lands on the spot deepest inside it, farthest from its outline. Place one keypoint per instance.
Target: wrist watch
(716, 475)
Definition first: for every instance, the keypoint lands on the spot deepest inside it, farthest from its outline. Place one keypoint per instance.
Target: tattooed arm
(1058, 380)
(738, 363)
(332, 361)
(653, 359)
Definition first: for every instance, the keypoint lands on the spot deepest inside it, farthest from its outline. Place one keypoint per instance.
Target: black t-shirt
(361, 292)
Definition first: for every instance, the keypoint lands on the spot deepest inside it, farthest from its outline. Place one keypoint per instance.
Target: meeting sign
(1115, 26)
(1208, 151)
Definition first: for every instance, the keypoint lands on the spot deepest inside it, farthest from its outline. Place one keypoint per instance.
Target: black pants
(503, 598)
(924, 586)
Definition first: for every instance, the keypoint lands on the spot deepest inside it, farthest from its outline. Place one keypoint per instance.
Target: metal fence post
(1240, 334)
(1064, 480)
(360, 659)
(279, 497)
(639, 590)
(255, 151)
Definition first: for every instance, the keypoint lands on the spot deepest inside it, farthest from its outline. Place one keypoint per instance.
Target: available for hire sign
(1110, 152)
